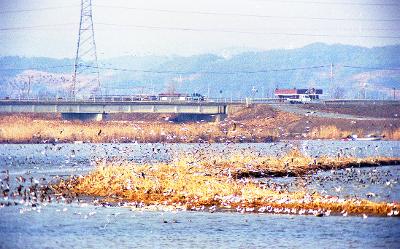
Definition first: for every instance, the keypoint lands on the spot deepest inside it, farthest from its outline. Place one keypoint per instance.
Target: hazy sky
(184, 27)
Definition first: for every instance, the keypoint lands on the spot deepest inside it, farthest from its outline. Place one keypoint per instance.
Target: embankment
(255, 123)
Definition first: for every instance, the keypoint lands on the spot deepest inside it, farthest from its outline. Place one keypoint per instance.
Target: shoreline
(267, 140)
(254, 124)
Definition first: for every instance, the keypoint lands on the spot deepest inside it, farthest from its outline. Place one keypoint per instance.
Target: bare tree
(338, 92)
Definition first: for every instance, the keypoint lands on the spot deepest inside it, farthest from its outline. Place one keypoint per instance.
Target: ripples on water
(83, 225)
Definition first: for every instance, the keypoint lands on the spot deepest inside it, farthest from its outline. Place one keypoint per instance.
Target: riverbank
(257, 123)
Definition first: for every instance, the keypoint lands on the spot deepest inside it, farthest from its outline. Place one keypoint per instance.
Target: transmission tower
(86, 64)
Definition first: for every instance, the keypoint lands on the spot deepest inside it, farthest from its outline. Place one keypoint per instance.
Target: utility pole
(262, 89)
(394, 93)
(29, 85)
(86, 55)
(331, 81)
(365, 93)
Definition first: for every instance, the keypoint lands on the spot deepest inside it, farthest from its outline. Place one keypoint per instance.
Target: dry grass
(244, 126)
(21, 129)
(395, 135)
(329, 132)
(294, 163)
(333, 132)
(193, 185)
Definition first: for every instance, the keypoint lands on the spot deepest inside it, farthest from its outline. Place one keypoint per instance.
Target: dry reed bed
(333, 132)
(194, 186)
(294, 163)
(26, 130)
(262, 129)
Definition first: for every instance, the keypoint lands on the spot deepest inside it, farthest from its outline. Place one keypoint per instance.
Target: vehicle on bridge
(135, 97)
(197, 97)
(149, 97)
(301, 100)
(180, 97)
(295, 96)
(173, 96)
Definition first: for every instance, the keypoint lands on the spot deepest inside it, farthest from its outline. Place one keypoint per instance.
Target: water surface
(85, 225)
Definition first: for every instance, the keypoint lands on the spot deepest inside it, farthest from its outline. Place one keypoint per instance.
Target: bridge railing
(136, 99)
(359, 101)
(127, 99)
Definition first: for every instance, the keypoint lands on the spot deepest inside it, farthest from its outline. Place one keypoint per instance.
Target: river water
(85, 225)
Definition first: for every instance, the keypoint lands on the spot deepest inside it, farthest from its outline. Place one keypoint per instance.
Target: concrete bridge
(95, 110)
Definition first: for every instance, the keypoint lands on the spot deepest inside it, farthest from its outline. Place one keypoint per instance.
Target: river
(85, 225)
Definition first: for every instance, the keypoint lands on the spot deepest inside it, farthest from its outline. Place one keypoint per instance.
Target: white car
(301, 100)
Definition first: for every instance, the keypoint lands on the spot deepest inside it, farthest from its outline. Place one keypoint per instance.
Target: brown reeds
(395, 135)
(329, 132)
(333, 132)
(28, 130)
(195, 185)
(254, 127)
(294, 163)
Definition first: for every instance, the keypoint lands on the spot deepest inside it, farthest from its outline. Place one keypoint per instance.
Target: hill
(363, 70)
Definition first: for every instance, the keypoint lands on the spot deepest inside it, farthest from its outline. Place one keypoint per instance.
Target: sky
(49, 28)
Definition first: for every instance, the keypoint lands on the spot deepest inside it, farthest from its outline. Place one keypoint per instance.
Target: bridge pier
(187, 117)
(83, 116)
(220, 117)
(95, 110)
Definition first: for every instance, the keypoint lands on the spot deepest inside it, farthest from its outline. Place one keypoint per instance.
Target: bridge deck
(210, 106)
(15, 106)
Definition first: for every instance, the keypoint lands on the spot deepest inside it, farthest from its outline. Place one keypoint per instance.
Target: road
(297, 109)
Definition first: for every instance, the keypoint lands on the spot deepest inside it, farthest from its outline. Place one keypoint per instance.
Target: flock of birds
(27, 190)
(27, 175)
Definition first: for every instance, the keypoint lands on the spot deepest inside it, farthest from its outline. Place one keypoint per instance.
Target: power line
(244, 72)
(210, 72)
(34, 68)
(37, 26)
(371, 68)
(55, 27)
(37, 9)
(333, 3)
(203, 72)
(249, 15)
(229, 14)
(205, 30)
(168, 71)
(246, 32)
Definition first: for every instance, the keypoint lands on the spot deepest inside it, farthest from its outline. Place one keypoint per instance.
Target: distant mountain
(357, 72)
